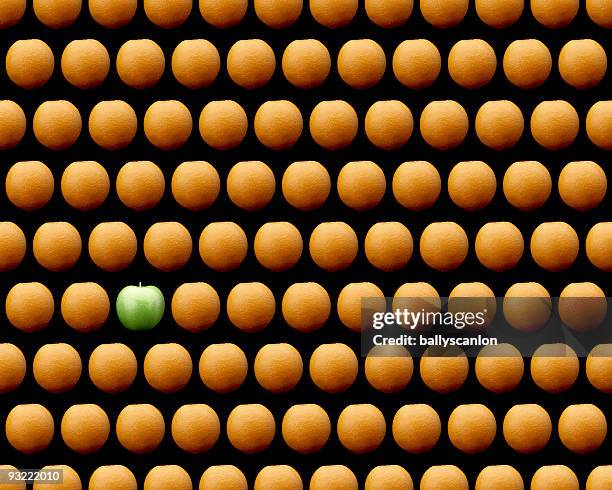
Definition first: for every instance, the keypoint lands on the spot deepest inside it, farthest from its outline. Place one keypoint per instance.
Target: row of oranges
(280, 14)
(306, 64)
(229, 477)
(333, 125)
(278, 368)
(333, 246)
(306, 307)
(307, 428)
(306, 185)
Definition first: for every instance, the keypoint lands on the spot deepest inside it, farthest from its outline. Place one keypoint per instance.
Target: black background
(279, 210)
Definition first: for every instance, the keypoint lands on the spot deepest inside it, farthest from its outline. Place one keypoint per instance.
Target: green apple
(140, 307)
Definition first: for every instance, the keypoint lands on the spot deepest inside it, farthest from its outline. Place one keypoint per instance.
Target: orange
(388, 13)
(499, 124)
(195, 185)
(416, 63)
(140, 428)
(278, 124)
(554, 124)
(251, 63)
(472, 63)
(527, 306)
(352, 298)
(306, 428)
(582, 63)
(70, 479)
(416, 185)
(444, 476)
(250, 428)
(11, 12)
(223, 246)
(444, 124)
(29, 428)
(333, 367)
(57, 367)
(167, 476)
(278, 246)
(444, 372)
(333, 124)
(476, 298)
(195, 306)
(57, 246)
(599, 478)
(499, 476)
(223, 477)
(582, 185)
(112, 367)
(499, 246)
(12, 124)
(195, 428)
(85, 306)
(112, 13)
(554, 246)
(472, 185)
(306, 306)
(85, 185)
(167, 124)
(112, 124)
(57, 13)
(167, 367)
(582, 428)
(388, 476)
(388, 246)
(499, 14)
(223, 13)
(361, 185)
(416, 428)
(29, 63)
(278, 477)
(388, 124)
(6, 467)
(599, 246)
(333, 13)
(167, 246)
(12, 246)
(29, 306)
(167, 13)
(444, 13)
(333, 476)
(472, 428)
(278, 367)
(527, 63)
(554, 367)
(223, 124)
(112, 246)
(388, 369)
(57, 124)
(527, 428)
(306, 185)
(140, 63)
(250, 306)
(85, 428)
(527, 185)
(599, 124)
(223, 367)
(12, 367)
(85, 63)
(278, 14)
(599, 367)
(554, 13)
(195, 63)
(555, 476)
(443, 246)
(582, 306)
(333, 246)
(417, 296)
(499, 368)
(140, 185)
(361, 63)
(361, 428)
(306, 63)
(600, 12)
(29, 185)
